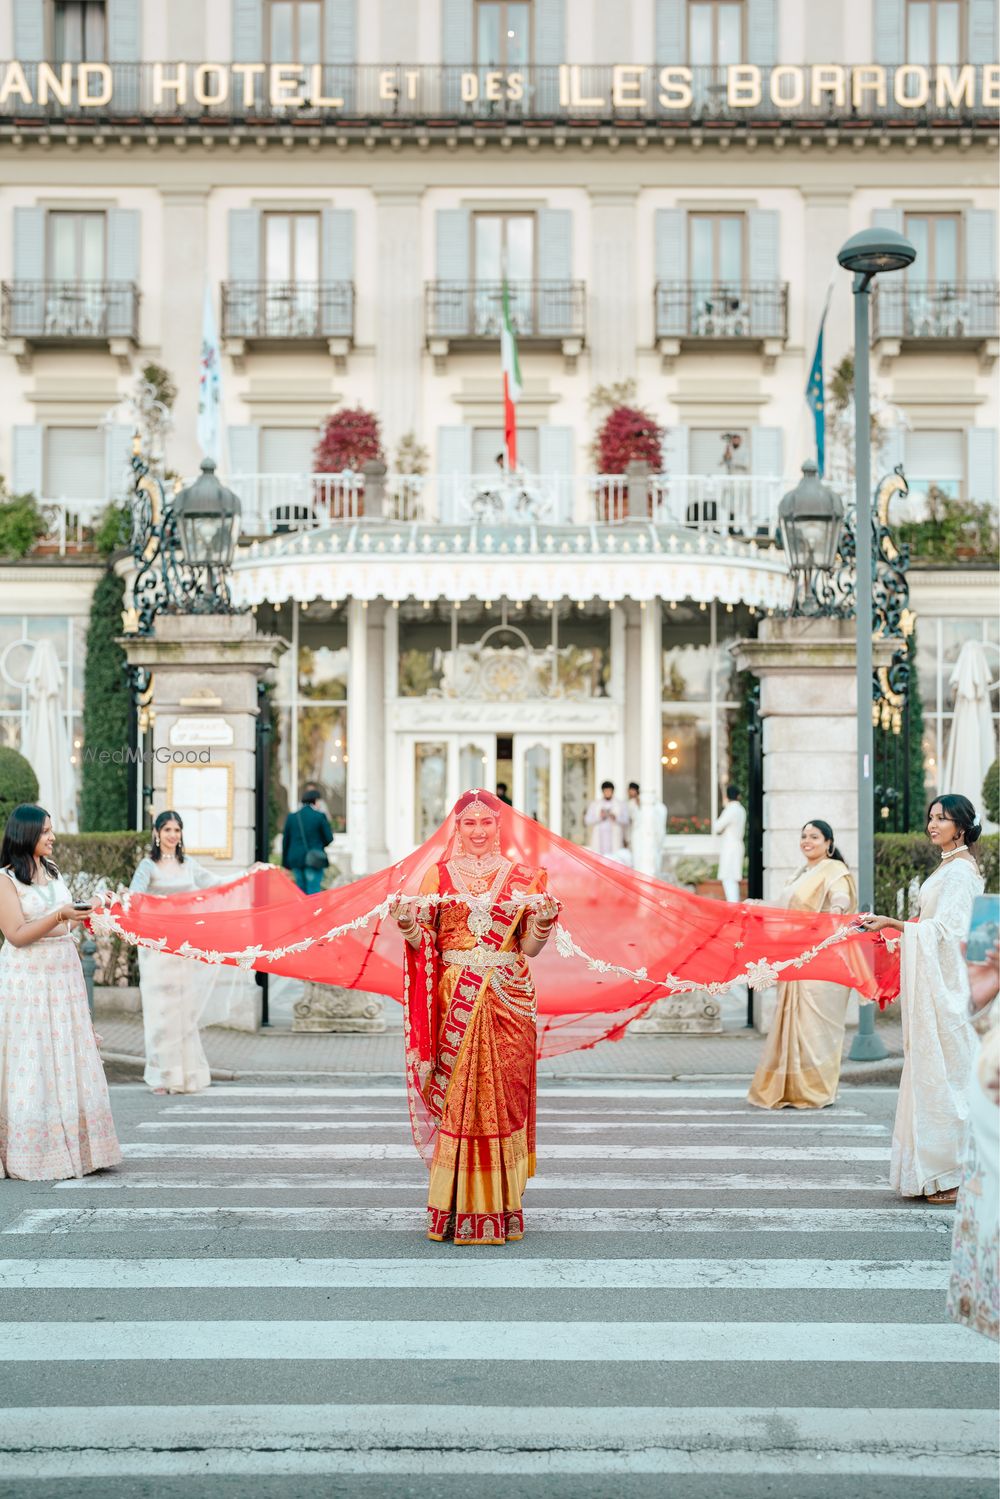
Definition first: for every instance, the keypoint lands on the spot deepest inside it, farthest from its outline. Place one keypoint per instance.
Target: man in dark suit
(303, 843)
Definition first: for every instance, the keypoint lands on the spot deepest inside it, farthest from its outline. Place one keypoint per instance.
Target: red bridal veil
(622, 940)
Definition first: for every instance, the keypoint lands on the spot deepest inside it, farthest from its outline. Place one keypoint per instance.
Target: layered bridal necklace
(479, 881)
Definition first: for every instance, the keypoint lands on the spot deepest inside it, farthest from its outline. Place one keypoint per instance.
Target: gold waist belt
(479, 959)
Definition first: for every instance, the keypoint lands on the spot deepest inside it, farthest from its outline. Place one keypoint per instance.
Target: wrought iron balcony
(287, 309)
(937, 311)
(71, 311)
(474, 309)
(708, 310)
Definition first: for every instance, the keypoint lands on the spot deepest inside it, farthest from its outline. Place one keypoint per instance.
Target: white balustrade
(738, 505)
(69, 522)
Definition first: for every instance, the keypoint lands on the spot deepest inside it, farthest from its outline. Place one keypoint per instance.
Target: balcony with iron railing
(70, 311)
(292, 311)
(936, 312)
(740, 506)
(472, 311)
(721, 311)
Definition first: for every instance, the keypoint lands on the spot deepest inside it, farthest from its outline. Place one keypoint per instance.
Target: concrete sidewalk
(280, 1052)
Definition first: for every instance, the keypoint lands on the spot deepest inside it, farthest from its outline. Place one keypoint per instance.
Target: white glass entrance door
(554, 780)
(549, 777)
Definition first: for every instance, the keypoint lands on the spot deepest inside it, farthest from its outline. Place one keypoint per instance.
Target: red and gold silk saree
(470, 1055)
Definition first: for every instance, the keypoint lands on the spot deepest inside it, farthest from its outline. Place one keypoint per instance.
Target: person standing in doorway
(502, 794)
(730, 829)
(304, 842)
(608, 821)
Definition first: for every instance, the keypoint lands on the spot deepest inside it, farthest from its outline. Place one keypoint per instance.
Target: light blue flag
(209, 383)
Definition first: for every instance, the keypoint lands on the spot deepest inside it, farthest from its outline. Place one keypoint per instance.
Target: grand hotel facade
(666, 182)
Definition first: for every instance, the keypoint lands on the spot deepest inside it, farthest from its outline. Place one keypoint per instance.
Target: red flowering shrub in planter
(349, 439)
(627, 435)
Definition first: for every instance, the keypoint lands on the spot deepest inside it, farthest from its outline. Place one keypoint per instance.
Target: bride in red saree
(470, 1015)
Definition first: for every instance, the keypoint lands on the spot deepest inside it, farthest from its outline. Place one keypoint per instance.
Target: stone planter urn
(327, 1007)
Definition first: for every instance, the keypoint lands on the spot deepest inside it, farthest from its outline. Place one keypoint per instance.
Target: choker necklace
(949, 853)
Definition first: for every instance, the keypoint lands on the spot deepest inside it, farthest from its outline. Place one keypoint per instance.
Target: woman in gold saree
(470, 1026)
(800, 1068)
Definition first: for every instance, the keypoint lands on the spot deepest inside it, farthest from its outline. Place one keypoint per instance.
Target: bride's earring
(156, 839)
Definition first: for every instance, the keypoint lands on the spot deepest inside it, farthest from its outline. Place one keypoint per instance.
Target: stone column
(357, 736)
(681, 1014)
(205, 671)
(611, 331)
(399, 315)
(185, 239)
(808, 704)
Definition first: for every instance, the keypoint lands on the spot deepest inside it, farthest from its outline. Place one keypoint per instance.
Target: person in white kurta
(174, 990)
(931, 1132)
(730, 829)
(608, 820)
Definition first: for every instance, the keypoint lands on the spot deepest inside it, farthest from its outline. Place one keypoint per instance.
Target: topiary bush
(901, 858)
(104, 792)
(349, 439)
(628, 434)
(18, 783)
(991, 793)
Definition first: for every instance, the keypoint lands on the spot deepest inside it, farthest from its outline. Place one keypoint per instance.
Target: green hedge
(991, 792)
(902, 857)
(87, 859)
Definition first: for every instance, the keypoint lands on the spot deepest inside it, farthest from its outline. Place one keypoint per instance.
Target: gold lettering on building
(59, 86)
(675, 88)
(211, 84)
(626, 85)
(869, 79)
(164, 84)
(829, 79)
(743, 89)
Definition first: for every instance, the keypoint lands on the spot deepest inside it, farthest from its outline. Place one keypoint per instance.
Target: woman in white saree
(175, 990)
(939, 1044)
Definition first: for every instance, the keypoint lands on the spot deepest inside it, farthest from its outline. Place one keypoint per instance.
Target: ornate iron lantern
(207, 517)
(811, 518)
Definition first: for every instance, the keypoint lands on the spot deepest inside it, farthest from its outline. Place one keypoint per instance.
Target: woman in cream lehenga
(800, 1068)
(174, 990)
(470, 1026)
(55, 1114)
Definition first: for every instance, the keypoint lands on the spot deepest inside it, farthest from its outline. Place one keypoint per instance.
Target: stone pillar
(204, 708)
(637, 473)
(808, 704)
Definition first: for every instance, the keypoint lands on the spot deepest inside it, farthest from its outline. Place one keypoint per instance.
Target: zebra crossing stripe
(405, 1218)
(317, 1181)
(555, 1150)
(475, 1440)
(475, 1274)
(509, 1341)
(548, 1127)
(778, 1119)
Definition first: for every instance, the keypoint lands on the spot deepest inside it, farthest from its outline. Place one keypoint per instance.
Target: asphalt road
(709, 1303)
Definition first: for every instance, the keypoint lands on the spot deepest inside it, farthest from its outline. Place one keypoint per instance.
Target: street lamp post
(811, 521)
(866, 255)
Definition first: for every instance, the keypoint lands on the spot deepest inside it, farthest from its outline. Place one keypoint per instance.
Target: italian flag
(511, 381)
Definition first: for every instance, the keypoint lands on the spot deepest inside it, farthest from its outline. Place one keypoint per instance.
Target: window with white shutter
(287, 450)
(935, 466)
(503, 33)
(488, 449)
(934, 32)
(75, 464)
(294, 30)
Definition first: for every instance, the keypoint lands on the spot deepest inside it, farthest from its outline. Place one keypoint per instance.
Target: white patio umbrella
(972, 742)
(46, 743)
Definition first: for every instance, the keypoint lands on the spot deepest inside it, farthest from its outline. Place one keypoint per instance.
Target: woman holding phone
(932, 1115)
(55, 1114)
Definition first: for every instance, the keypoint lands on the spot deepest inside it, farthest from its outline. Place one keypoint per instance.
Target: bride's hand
(547, 910)
(404, 914)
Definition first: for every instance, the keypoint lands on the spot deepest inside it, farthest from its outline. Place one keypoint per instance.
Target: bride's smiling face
(478, 834)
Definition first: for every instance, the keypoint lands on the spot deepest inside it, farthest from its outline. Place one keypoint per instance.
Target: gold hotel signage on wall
(248, 87)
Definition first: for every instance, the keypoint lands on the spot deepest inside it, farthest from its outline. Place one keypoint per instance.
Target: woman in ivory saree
(470, 1026)
(931, 1132)
(800, 1067)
